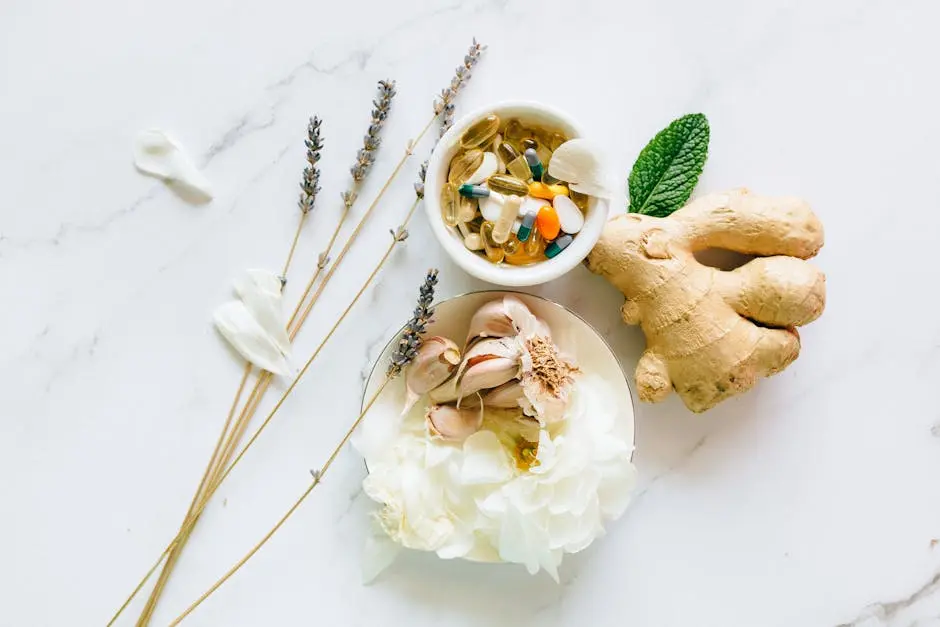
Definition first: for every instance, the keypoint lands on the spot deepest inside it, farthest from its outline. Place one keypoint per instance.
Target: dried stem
(407, 348)
(443, 109)
(317, 478)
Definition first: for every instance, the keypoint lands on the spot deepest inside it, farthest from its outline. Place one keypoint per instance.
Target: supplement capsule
(519, 168)
(569, 216)
(480, 132)
(535, 164)
(463, 165)
(528, 222)
(581, 200)
(494, 252)
(507, 153)
(514, 130)
(541, 190)
(473, 191)
(558, 245)
(556, 140)
(535, 245)
(467, 209)
(450, 203)
(473, 241)
(505, 184)
(547, 222)
(511, 246)
(529, 144)
(502, 228)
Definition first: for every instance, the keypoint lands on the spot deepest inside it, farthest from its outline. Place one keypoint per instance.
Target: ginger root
(710, 333)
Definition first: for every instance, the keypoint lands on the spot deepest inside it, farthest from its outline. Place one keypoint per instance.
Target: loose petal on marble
(378, 554)
(237, 325)
(159, 155)
(260, 290)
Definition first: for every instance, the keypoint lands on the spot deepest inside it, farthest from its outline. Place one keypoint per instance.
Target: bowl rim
(511, 276)
(397, 334)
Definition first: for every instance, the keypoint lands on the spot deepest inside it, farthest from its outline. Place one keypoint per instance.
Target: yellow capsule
(535, 245)
(505, 184)
(450, 204)
(507, 153)
(555, 140)
(480, 132)
(502, 228)
(519, 168)
(514, 130)
(467, 210)
(581, 200)
(545, 155)
(463, 165)
(494, 252)
(512, 245)
(541, 190)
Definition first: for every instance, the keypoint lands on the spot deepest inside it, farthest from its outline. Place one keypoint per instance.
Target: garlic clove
(506, 396)
(486, 374)
(488, 349)
(445, 392)
(490, 320)
(579, 164)
(453, 424)
(435, 362)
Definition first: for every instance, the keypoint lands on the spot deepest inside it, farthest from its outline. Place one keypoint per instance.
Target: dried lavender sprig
(366, 155)
(444, 105)
(310, 183)
(422, 174)
(411, 338)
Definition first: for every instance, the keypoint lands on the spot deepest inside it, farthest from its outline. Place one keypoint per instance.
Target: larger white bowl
(478, 266)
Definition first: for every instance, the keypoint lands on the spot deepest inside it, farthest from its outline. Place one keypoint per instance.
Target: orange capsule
(548, 223)
(541, 190)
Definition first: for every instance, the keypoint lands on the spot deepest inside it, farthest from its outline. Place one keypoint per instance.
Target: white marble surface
(812, 501)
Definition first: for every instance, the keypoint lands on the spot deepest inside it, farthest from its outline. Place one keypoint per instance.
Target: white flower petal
(238, 326)
(159, 155)
(485, 460)
(378, 554)
(260, 290)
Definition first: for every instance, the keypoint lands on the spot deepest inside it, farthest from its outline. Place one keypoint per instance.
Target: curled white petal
(260, 290)
(159, 155)
(378, 554)
(239, 327)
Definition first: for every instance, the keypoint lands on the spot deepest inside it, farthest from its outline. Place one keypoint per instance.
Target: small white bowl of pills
(515, 194)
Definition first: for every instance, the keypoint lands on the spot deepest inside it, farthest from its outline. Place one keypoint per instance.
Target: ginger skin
(710, 334)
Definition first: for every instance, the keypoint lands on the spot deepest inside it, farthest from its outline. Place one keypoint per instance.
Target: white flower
(254, 325)
(477, 500)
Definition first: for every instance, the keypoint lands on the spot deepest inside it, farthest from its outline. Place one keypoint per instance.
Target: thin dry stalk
(407, 348)
(444, 109)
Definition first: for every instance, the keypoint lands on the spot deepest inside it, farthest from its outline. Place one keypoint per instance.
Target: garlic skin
(452, 424)
(435, 362)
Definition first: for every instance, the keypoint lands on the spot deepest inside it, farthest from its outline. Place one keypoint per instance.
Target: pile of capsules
(501, 198)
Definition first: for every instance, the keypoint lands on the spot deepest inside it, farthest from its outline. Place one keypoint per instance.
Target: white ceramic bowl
(477, 265)
(573, 335)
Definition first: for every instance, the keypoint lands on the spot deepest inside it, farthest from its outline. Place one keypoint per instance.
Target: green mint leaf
(667, 170)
